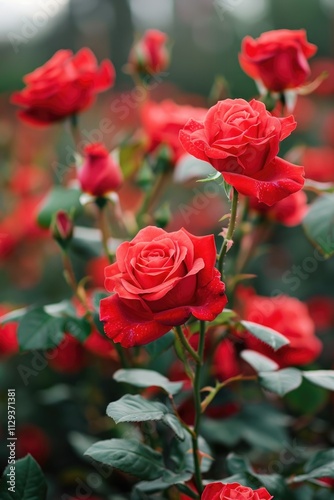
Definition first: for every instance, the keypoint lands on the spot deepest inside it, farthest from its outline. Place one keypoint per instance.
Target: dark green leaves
(147, 378)
(40, 330)
(138, 409)
(132, 457)
(30, 483)
(282, 381)
(267, 335)
(59, 198)
(320, 465)
(319, 224)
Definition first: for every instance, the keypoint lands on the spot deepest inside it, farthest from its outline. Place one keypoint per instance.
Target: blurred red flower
(32, 439)
(278, 59)
(8, 335)
(288, 316)
(163, 121)
(290, 211)
(149, 55)
(63, 86)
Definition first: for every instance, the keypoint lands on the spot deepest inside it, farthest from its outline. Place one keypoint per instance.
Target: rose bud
(62, 228)
(63, 86)
(277, 59)
(100, 173)
(149, 55)
(221, 491)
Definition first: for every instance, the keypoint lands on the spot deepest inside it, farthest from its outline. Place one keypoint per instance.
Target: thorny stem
(230, 231)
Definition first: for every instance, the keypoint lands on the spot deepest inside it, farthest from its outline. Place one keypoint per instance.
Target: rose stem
(151, 197)
(75, 131)
(230, 231)
(198, 410)
(103, 225)
(186, 344)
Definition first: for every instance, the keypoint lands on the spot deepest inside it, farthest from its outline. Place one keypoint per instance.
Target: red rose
(163, 121)
(290, 211)
(241, 140)
(159, 280)
(63, 86)
(8, 335)
(100, 173)
(233, 491)
(68, 357)
(278, 59)
(149, 55)
(286, 315)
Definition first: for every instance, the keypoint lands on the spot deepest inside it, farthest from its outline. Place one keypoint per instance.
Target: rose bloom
(233, 491)
(225, 361)
(288, 316)
(32, 439)
(159, 280)
(290, 211)
(163, 121)
(63, 86)
(241, 140)
(278, 59)
(100, 173)
(68, 357)
(149, 55)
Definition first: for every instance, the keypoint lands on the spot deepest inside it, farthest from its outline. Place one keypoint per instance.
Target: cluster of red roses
(160, 279)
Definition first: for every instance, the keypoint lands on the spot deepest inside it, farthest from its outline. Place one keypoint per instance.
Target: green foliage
(267, 335)
(59, 198)
(282, 381)
(318, 224)
(147, 378)
(30, 483)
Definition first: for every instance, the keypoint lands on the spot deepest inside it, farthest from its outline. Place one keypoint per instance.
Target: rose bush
(63, 86)
(159, 279)
(241, 140)
(278, 59)
(149, 54)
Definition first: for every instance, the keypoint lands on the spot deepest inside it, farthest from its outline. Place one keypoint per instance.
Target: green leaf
(135, 409)
(318, 224)
(282, 381)
(59, 198)
(147, 378)
(13, 316)
(267, 335)
(227, 188)
(79, 328)
(258, 361)
(211, 177)
(307, 398)
(130, 456)
(320, 465)
(39, 330)
(161, 345)
(181, 454)
(160, 484)
(30, 483)
(323, 378)
(224, 317)
(173, 422)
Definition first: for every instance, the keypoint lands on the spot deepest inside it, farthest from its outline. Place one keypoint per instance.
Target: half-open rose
(160, 279)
